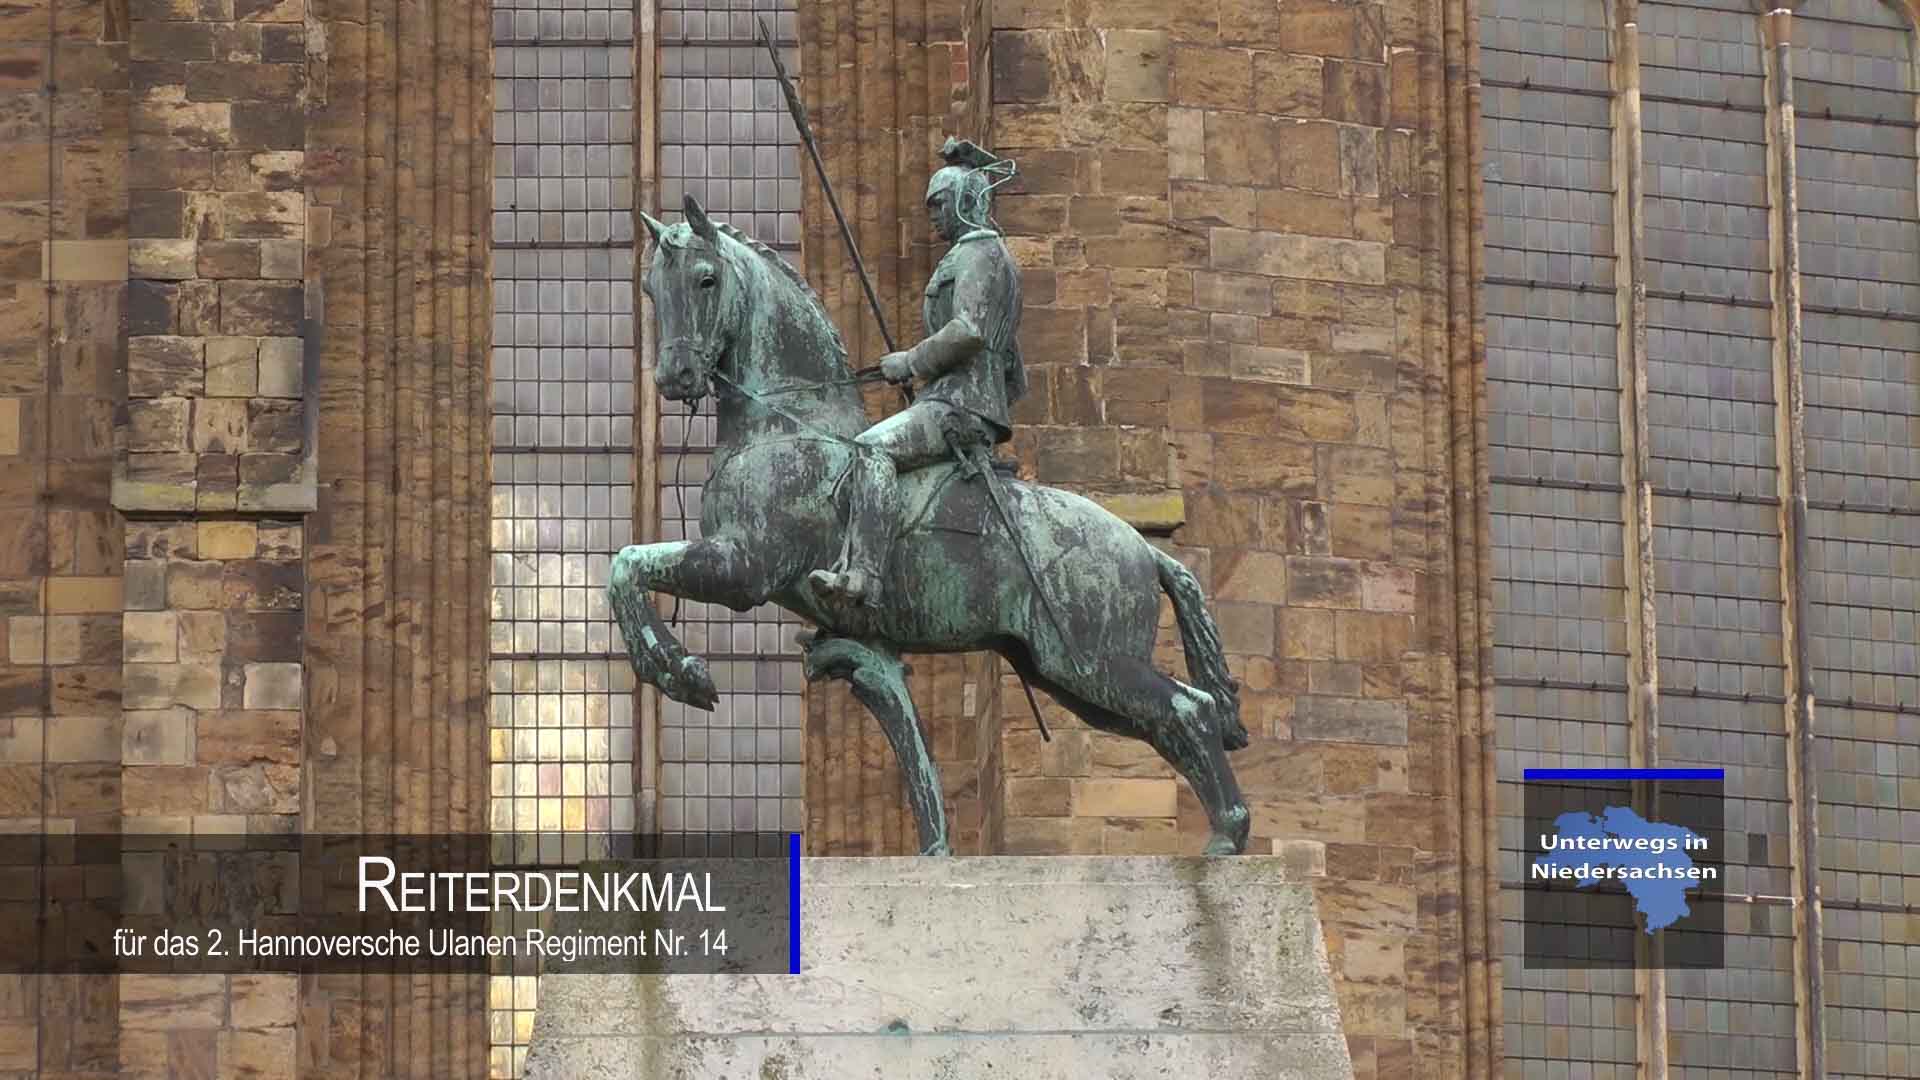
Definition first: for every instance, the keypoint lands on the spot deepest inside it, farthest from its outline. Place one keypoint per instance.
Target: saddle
(942, 498)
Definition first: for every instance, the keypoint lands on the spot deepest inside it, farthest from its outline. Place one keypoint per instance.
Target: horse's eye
(709, 281)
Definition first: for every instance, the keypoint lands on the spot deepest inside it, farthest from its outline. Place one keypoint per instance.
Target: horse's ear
(654, 228)
(697, 217)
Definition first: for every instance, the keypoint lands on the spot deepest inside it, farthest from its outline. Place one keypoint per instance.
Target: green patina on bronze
(955, 557)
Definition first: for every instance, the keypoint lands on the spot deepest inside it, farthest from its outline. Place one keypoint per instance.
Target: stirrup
(846, 586)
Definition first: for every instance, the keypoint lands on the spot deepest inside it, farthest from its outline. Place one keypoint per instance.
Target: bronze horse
(738, 322)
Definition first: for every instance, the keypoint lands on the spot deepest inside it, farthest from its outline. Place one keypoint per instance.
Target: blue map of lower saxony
(1648, 858)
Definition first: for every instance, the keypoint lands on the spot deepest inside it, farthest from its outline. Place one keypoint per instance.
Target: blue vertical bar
(1626, 774)
(793, 903)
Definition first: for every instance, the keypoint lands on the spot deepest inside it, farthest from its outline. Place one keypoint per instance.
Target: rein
(679, 460)
(861, 377)
(762, 400)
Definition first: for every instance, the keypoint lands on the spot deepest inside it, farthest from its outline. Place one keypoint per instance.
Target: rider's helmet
(970, 175)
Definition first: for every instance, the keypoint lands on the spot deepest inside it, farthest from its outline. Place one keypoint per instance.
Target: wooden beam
(1460, 427)
(1636, 499)
(1791, 469)
(646, 437)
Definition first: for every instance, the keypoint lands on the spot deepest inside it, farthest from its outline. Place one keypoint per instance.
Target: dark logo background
(1599, 926)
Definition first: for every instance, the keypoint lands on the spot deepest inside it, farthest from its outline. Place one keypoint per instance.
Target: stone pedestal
(1009, 968)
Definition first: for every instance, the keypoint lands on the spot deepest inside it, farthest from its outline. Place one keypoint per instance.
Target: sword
(799, 113)
(970, 467)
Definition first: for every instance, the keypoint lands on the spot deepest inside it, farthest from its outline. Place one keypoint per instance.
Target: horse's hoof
(1223, 844)
(1235, 736)
(689, 683)
(1231, 838)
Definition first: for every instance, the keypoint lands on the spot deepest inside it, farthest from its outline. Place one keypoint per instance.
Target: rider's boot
(856, 579)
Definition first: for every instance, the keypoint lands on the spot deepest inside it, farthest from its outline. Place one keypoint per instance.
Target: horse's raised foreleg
(879, 681)
(714, 570)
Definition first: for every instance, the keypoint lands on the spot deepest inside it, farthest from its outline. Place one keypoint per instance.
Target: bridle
(709, 356)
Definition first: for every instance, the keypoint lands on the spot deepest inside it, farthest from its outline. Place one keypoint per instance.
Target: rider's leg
(909, 439)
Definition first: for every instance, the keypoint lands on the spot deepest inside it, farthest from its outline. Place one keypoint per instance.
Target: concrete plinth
(1009, 968)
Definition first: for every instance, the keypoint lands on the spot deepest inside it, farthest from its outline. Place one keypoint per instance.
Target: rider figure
(970, 362)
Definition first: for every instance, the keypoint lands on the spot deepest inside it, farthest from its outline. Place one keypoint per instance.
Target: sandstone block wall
(1229, 222)
(216, 256)
(201, 633)
(213, 435)
(243, 349)
(213, 686)
(1246, 228)
(64, 99)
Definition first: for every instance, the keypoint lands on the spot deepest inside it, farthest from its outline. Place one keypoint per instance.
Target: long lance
(799, 113)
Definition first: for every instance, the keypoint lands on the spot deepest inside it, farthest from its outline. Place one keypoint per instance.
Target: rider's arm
(959, 340)
(949, 347)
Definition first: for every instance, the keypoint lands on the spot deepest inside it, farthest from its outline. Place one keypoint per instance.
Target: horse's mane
(780, 265)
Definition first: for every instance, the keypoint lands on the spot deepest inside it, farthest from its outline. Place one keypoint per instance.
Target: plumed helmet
(970, 175)
(969, 186)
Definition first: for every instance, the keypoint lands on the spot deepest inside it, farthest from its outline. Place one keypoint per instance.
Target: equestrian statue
(904, 536)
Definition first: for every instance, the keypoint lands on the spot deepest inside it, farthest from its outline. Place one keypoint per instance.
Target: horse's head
(699, 298)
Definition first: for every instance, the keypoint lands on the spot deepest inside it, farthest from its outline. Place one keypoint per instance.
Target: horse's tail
(1206, 659)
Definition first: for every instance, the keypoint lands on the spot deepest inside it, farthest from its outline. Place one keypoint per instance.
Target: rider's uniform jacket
(973, 303)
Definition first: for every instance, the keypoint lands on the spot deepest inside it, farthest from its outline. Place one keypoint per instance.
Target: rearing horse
(738, 322)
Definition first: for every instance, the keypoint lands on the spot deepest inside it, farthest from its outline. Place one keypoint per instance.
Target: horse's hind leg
(879, 681)
(1125, 695)
(715, 570)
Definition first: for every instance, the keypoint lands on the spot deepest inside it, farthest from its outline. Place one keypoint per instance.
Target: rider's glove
(897, 367)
